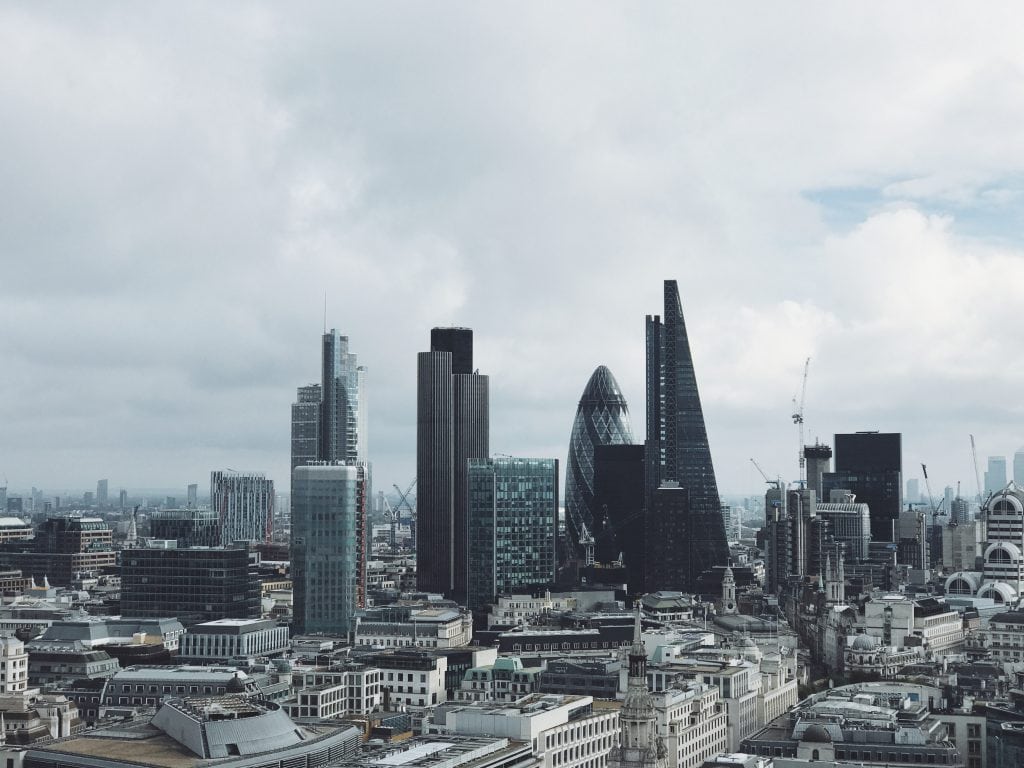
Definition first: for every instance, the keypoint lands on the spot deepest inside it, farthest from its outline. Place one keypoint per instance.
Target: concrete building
(395, 626)
(225, 640)
(229, 731)
(900, 621)
(13, 666)
(868, 724)
(564, 731)
(15, 529)
(451, 752)
(849, 524)
(363, 685)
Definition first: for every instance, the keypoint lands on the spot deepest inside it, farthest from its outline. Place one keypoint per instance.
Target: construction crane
(977, 474)
(798, 419)
(936, 511)
(757, 466)
(403, 498)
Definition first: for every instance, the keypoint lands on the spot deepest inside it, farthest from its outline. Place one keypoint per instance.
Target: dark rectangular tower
(619, 509)
(677, 447)
(869, 464)
(452, 426)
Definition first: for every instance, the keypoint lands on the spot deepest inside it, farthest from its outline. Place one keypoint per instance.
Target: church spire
(639, 744)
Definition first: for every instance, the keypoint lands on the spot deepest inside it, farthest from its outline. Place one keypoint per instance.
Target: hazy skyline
(183, 182)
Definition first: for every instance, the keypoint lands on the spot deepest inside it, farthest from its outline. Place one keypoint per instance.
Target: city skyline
(181, 210)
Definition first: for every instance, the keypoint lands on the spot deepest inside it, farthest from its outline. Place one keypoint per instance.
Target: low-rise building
(504, 680)
(423, 626)
(224, 640)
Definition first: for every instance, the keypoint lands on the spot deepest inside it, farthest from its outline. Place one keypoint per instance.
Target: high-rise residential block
(513, 523)
(192, 498)
(122, 499)
(995, 475)
(869, 465)
(244, 501)
(329, 546)
(452, 426)
(602, 418)
(677, 449)
(101, 491)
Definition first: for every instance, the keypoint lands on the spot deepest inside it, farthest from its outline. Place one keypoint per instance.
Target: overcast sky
(180, 184)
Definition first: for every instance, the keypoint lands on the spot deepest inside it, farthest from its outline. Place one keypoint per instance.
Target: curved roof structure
(602, 418)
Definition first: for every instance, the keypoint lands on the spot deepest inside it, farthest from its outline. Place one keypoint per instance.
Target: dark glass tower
(512, 533)
(870, 465)
(452, 426)
(619, 509)
(342, 417)
(677, 442)
(602, 418)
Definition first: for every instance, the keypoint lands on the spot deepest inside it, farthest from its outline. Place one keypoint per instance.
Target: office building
(225, 640)
(192, 497)
(244, 501)
(306, 425)
(101, 492)
(188, 527)
(513, 524)
(329, 546)
(818, 461)
(619, 504)
(122, 500)
(194, 584)
(64, 548)
(1018, 468)
(913, 491)
(677, 449)
(850, 525)
(995, 475)
(602, 418)
(452, 426)
(869, 465)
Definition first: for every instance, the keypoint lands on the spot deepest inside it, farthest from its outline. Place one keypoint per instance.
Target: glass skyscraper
(513, 523)
(677, 449)
(602, 418)
(329, 546)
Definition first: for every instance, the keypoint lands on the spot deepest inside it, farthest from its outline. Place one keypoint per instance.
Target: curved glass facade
(602, 418)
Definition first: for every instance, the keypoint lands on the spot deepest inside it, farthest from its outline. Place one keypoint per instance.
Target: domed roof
(864, 643)
(602, 389)
(817, 733)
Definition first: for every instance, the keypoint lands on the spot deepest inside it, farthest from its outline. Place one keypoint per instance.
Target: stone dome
(817, 733)
(864, 643)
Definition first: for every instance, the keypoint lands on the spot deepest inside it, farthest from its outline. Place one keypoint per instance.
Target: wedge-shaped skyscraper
(602, 418)
(678, 455)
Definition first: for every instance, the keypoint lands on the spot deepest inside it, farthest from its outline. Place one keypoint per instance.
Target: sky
(183, 183)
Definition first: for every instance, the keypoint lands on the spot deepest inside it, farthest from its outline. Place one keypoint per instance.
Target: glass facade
(513, 519)
(329, 546)
(870, 465)
(677, 441)
(602, 418)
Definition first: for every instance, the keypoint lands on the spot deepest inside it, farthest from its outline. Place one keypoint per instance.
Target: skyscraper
(677, 449)
(306, 425)
(329, 546)
(869, 464)
(619, 505)
(995, 474)
(1018, 468)
(452, 426)
(602, 418)
(101, 491)
(512, 524)
(244, 502)
(329, 419)
(342, 415)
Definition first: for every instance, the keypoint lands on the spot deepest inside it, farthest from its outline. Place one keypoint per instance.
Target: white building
(512, 610)
(363, 688)
(222, 640)
(13, 665)
(565, 731)
(414, 626)
(899, 621)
